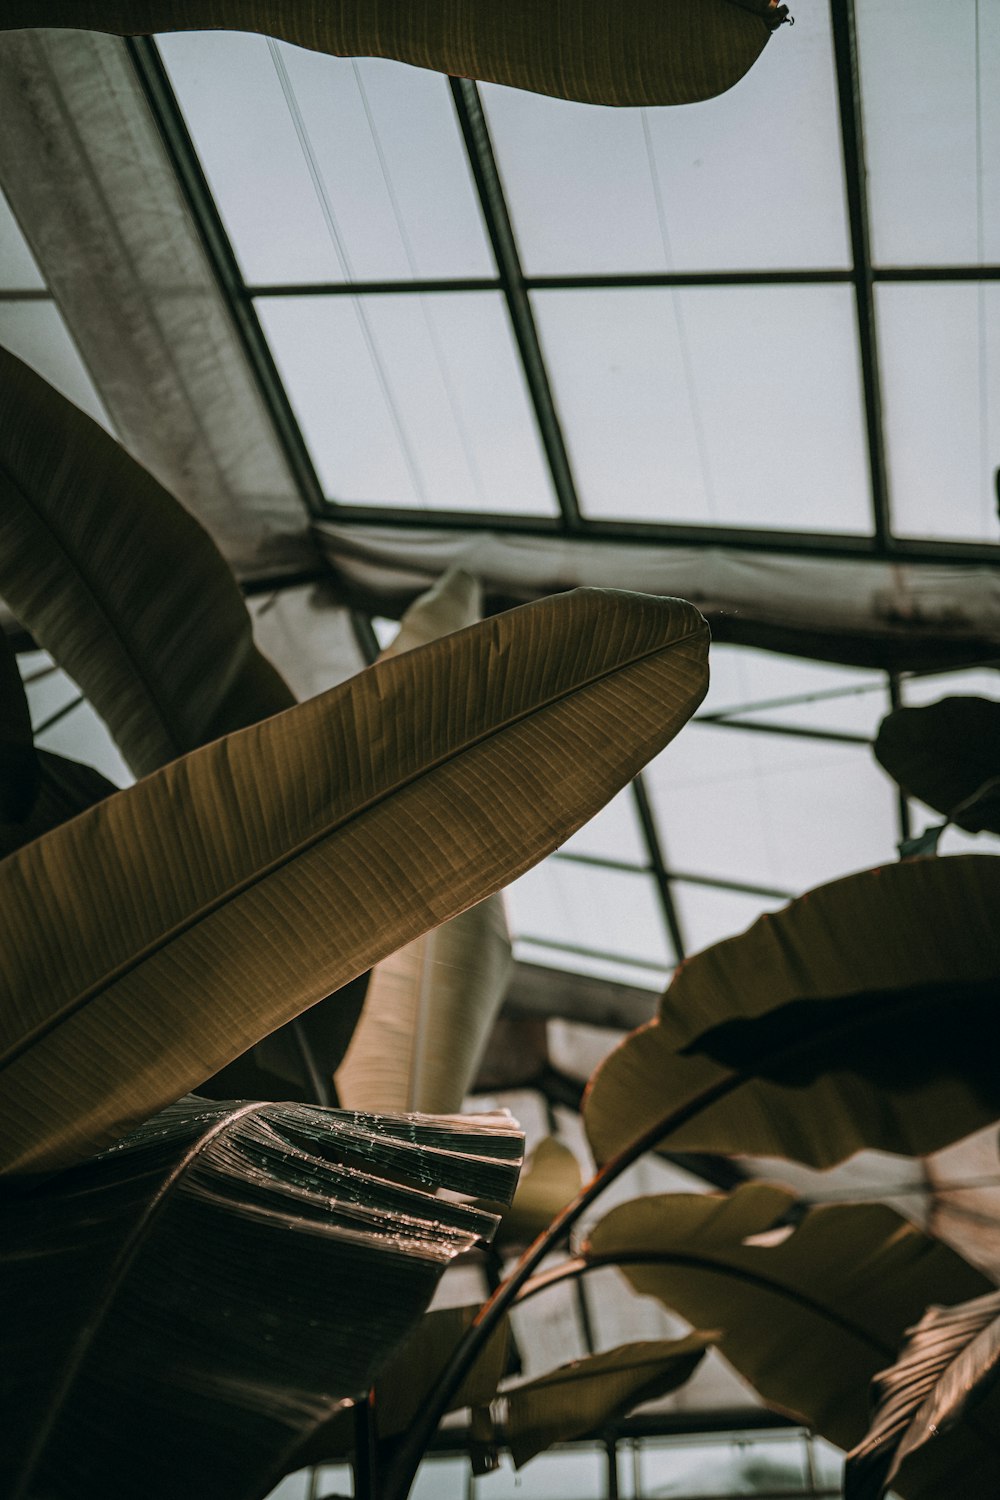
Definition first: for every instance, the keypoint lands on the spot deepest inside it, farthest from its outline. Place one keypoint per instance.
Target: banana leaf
(430, 1007)
(632, 52)
(948, 755)
(38, 790)
(551, 1178)
(808, 1320)
(120, 584)
(182, 1311)
(157, 936)
(411, 1375)
(953, 1194)
(936, 1426)
(587, 1394)
(864, 1014)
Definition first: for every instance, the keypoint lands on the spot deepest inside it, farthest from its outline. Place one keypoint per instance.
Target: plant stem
(400, 1475)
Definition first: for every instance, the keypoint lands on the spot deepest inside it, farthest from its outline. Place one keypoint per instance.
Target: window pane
(604, 911)
(728, 405)
(36, 333)
(326, 168)
(931, 98)
(749, 180)
(708, 914)
(614, 833)
(787, 814)
(411, 400)
(18, 271)
(940, 351)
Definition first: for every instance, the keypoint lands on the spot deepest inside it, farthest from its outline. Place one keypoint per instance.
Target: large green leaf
(809, 1320)
(948, 755)
(431, 1006)
(38, 790)
(551, 1179)
(183, 1311)
(632, 52)
(154, 938)
(407, 1380)
(123, 587)
(935, 1429)
(583, 1396)
(870, 1005)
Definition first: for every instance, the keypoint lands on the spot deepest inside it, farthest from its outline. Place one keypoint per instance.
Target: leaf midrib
(260, 875)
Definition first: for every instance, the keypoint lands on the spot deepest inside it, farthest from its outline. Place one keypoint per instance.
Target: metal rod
(658, 863)
(366, 1467)
(475, 134)
(855, 171)
(794, 731)
(60, 713)
(903, 810)
(665, 534)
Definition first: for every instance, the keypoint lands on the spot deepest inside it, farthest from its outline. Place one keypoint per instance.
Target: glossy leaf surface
(635, 52)
(871, 1004)
(808, 1320)
(156, 937)
(181, 1312)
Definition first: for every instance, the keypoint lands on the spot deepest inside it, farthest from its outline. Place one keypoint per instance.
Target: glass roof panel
(610, 912)
(708, 914)
(783, 813)
(18, 269)
(613, 834)
(750, 180)
(930, 76)
(325, 168)
(35, 332)
(762, 687)
(710, 405)
(411, 400)
(940, 353)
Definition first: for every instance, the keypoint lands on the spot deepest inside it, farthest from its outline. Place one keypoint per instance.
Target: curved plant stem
(399, 1477)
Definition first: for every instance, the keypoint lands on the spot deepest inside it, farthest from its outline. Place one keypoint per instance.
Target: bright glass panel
(614, 833)
(940, 353)
(708, 914)
(775, 811)
(930, 77)
(80, 734)
(18, 269)
(565, 1474)
(736, 1464)
(764, 687)
(726, 405)
(609, 911)
(411, 400)
(326, 168)
(36, 333)
(750, 180)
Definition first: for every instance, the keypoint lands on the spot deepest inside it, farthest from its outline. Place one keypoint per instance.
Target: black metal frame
(515, 287)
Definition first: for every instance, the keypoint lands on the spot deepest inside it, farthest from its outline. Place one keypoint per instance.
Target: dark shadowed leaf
(808, 1320)
(19, 772)
(632, 52)
(871, 1004)
(249, 879)
(38, 790)
(936, 1430)
(410, 1376)
(123, 587)
(948, 755)
(181, 1312)
(583, 1396)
